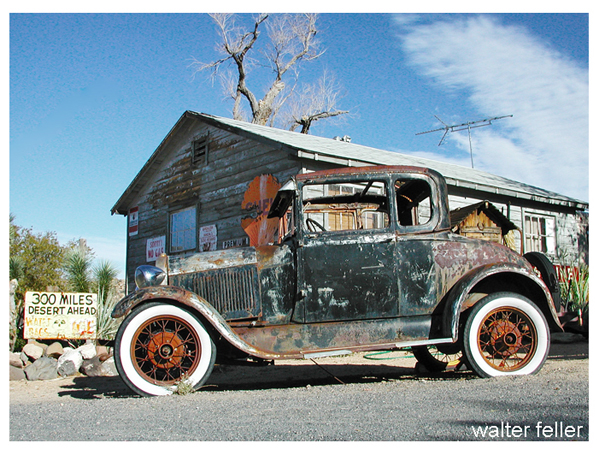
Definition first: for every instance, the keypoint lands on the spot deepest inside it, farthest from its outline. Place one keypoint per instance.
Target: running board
(405, 344)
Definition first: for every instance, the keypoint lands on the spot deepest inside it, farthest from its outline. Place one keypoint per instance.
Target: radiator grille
(233, 291)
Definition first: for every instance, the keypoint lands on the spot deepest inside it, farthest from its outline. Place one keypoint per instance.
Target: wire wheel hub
(506, 339)
(165, 349)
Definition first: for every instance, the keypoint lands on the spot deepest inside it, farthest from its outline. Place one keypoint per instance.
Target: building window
(183, 230)
(539, 233)
(199, 151)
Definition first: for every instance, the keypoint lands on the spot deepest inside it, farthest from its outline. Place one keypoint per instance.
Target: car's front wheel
(160, 347)
(506, 334)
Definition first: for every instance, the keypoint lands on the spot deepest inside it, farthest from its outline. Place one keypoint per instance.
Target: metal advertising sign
(60, 315)
(133, 221)
(256, 203)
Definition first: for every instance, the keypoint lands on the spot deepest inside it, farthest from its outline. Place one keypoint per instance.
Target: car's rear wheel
(505, 334)
(160, 347)
(438, 358)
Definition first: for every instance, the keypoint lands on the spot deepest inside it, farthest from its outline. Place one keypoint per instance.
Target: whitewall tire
(159, 346)
(506, 334)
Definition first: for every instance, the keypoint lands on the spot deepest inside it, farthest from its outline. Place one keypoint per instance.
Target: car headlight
(148, 275)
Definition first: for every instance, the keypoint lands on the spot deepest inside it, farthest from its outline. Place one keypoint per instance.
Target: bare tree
(315, 102)
(292, 40)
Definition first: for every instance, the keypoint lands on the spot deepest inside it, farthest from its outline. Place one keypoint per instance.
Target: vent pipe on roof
(345, 138)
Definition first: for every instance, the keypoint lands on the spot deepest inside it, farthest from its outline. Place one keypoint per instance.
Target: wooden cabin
(210, 182)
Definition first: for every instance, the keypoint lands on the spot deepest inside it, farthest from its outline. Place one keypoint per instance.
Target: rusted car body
(365, 260)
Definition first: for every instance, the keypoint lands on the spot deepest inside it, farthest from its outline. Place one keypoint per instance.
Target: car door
(417, 206)
(346, 265)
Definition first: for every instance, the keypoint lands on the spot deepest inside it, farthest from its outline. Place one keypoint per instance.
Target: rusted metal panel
(225, 278)
(245, 283)
(456, 255)
(278, 276)
(296, 340)
(211, 260)
(256, 202)
(397, 283)
(348, 278)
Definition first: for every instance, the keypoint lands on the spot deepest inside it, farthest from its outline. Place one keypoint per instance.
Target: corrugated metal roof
(351, 154)
(319, 148)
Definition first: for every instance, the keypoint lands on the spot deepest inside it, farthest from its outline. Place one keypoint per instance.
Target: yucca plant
(77, 268)
(104, 274)
(14, 329)
(106, 326)
(16, 268)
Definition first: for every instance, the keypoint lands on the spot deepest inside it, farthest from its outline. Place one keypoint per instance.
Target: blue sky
(93, 95)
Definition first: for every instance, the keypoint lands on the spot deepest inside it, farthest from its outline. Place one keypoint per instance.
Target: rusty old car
(364, 260)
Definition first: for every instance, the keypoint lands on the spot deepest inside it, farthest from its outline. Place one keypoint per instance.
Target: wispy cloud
(507, 70)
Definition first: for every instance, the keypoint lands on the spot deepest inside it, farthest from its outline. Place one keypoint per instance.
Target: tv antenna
(461, 127)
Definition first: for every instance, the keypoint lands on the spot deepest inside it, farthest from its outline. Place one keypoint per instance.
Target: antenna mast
(463, 126)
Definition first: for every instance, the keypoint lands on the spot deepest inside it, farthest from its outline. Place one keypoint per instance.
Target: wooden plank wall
(216, 188)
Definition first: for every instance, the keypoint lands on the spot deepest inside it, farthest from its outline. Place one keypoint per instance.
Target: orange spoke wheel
(160, 346)
(507, 339)
(165, 349)
(505, 334)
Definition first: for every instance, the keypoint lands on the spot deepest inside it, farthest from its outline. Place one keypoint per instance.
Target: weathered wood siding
(215, 188)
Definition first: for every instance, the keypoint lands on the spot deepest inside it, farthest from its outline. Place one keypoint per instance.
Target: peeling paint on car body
(382, 285)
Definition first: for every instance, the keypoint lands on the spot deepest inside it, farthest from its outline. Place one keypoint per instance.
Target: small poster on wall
(133, 221)
(208, 238)
(155, 247)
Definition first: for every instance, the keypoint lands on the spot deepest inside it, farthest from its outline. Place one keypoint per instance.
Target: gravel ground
(356, 399)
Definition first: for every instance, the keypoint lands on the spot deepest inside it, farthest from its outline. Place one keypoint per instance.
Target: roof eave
(122, 205)
(562, 202)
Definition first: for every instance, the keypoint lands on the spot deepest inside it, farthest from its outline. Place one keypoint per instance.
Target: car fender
(458, 295)
(192, 300)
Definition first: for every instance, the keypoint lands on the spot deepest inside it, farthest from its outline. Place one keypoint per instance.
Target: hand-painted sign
(155, 247)
(208, 238)
(60, 315)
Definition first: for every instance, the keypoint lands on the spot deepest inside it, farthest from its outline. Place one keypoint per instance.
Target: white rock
(33, 351)
(70, 362)
(24, 358)
(88, 351)
(42, 368)
(110, 367)
(15, 360)
(55, 350)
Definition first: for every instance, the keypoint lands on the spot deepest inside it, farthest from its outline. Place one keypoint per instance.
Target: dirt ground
(359, 367)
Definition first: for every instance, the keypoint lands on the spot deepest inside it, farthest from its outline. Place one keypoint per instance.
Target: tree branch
(292, 40)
